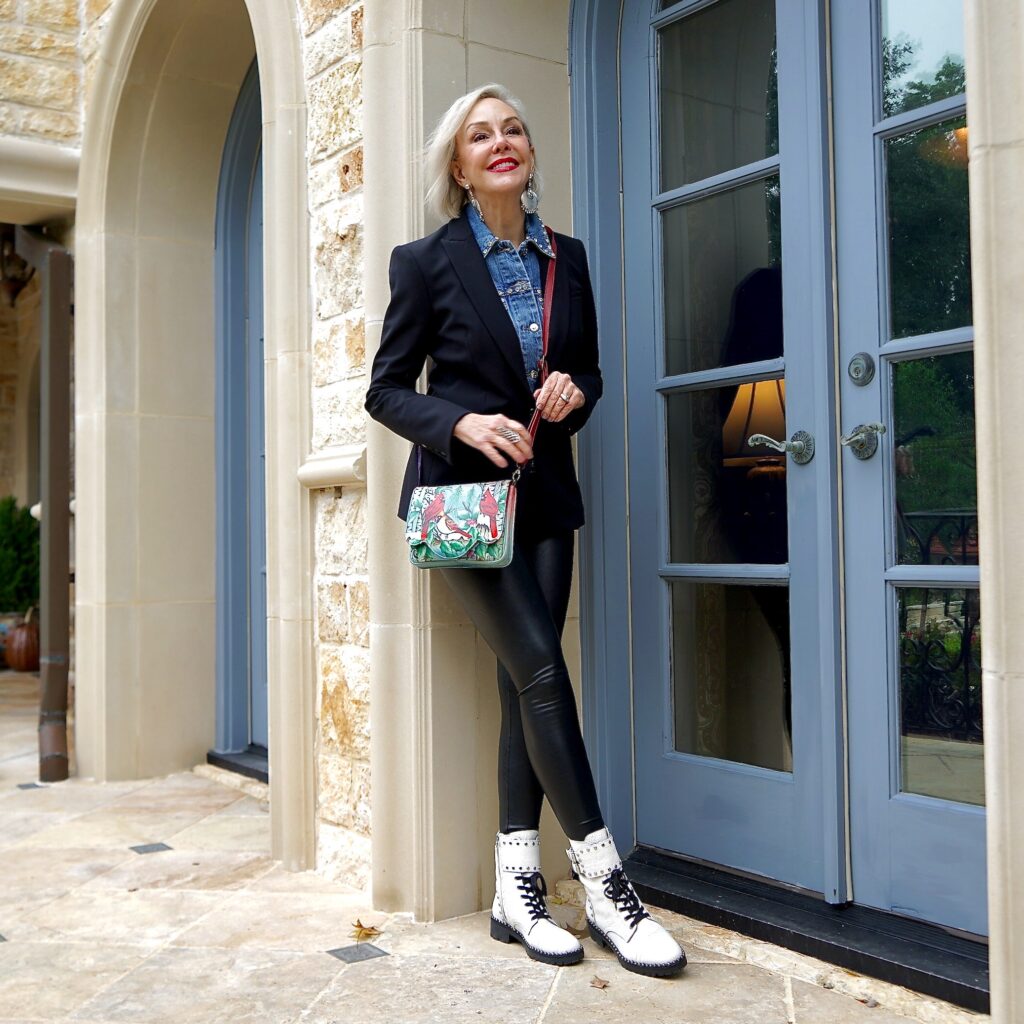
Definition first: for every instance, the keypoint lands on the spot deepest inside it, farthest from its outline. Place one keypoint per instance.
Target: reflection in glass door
(911, 528)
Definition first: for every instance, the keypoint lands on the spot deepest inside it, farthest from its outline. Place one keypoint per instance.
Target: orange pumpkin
(23, 647)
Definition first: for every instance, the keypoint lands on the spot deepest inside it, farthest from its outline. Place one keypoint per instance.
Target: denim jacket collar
(486, 240)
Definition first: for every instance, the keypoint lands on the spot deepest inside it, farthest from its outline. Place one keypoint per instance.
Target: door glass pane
(731, 672)
(922, 52)
(722, 260)
(727, 501)
(929, 229)
(941, 741)
(718, 89)
(935, 465)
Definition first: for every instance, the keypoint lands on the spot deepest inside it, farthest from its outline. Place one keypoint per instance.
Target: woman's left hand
(558, 397)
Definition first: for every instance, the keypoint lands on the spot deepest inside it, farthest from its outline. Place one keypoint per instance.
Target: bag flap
(452, 518)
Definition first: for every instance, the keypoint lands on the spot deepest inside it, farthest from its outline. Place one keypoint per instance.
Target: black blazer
(444, 306)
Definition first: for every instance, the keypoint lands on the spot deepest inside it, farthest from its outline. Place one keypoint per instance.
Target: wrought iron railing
(940, 664)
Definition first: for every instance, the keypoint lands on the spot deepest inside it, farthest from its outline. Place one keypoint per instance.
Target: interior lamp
(758, 408)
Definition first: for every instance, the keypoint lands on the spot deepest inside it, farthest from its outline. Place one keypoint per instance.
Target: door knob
(800, 446)
(863, 439)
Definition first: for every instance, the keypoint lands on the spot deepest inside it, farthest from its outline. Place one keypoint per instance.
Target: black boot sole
(506, 933)
(669, 970)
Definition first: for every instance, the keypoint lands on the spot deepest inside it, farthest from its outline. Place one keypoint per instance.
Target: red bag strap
(549, 295)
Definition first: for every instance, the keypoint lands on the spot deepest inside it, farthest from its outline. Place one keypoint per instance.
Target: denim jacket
(516, 276)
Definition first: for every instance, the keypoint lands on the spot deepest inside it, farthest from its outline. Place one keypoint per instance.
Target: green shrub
(19, 557)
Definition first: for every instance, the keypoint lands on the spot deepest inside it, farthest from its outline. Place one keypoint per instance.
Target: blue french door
(241, 501)
(731, 546)
(910, 529)
(802, 525)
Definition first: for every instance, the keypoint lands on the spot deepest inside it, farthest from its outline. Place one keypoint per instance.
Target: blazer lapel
(469, 266)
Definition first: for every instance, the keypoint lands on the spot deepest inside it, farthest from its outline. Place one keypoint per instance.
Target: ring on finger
(509, 434)
(564, 396)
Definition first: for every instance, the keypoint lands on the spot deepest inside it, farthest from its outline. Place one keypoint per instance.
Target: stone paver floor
(213, 930)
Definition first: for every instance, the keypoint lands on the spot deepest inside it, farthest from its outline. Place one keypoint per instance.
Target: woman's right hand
(484, 434)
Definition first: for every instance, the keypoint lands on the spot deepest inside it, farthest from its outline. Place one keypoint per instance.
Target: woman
(469, 297)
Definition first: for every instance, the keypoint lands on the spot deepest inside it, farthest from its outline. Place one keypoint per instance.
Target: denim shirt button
(534, 327)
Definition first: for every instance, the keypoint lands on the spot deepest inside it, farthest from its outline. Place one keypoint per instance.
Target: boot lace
(619, 889)
(534, 889)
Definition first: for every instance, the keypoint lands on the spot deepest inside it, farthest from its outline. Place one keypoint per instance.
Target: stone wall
(39, 70)
(95, 15)
(333, 66)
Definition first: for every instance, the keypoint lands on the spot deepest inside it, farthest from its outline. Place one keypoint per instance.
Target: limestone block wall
(95, 15)
(40, 79)
(333, 65)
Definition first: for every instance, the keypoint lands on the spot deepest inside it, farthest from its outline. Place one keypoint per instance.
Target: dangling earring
(529, 200)
(472, 198)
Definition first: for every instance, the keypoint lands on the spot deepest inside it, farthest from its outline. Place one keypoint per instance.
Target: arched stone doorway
(165, 86)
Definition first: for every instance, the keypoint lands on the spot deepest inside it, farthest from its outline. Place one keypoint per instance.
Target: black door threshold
(251, 762)
(918, 956)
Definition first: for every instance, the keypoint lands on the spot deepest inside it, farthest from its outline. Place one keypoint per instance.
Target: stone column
(995, 101)
(434, 709)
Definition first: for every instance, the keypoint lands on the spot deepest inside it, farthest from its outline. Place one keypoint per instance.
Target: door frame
(255, 451)
(605, 635)
(594, 66)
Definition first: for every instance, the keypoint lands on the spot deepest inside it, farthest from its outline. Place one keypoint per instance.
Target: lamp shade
(758, 408)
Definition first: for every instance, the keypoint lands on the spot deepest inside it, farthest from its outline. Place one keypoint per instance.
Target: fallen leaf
(598, 982)
(361, 932)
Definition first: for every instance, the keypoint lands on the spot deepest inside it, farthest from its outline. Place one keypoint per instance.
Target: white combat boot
(519, 913)
(615, 915)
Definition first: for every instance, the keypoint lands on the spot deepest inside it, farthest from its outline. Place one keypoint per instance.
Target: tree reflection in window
(934, 460)
(898, 94)
(929, 232)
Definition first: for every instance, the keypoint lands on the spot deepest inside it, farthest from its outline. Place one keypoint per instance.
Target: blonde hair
(444, 194)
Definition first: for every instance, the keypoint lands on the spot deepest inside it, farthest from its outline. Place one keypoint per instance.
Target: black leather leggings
(520, 611)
